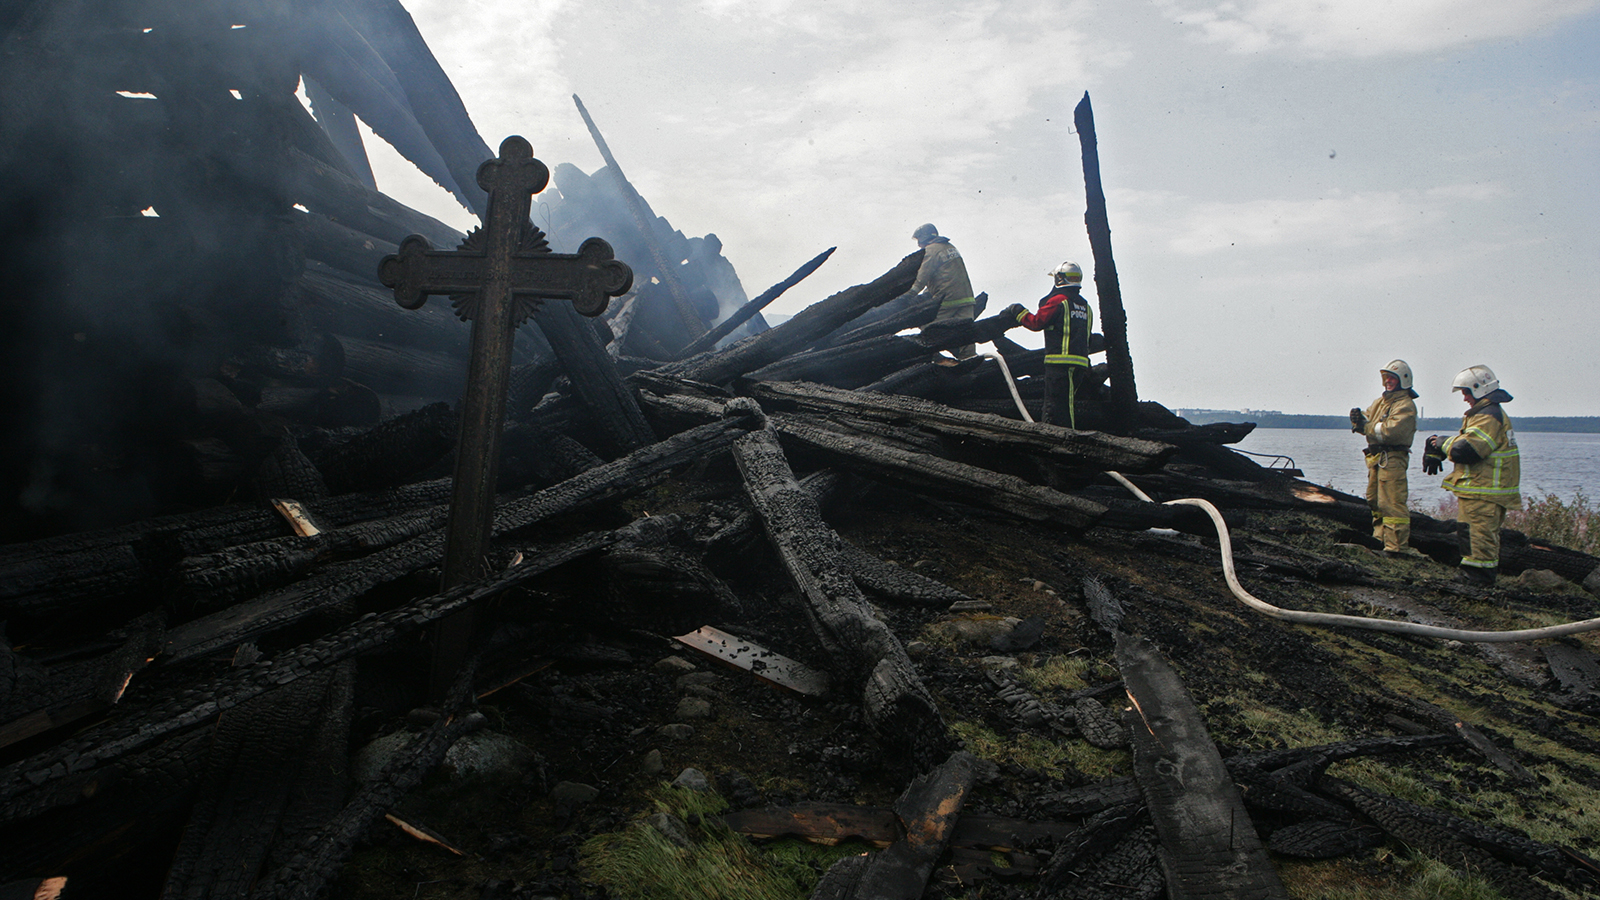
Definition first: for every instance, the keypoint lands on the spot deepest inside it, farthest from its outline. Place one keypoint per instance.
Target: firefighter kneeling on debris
(1488, 473)
(1390, 424)
(1066, 320)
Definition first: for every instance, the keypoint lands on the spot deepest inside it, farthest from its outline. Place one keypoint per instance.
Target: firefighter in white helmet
(1390, 425)
(943, 274)
(1066, 320)
(1487, 479)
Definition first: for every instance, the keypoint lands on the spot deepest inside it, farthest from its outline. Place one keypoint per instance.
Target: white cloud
(1339, 220)
(1341, 28)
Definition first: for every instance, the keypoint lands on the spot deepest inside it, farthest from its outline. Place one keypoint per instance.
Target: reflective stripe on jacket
(1392, 421)
(1497, 475)
(943, 274)
(1066, 320)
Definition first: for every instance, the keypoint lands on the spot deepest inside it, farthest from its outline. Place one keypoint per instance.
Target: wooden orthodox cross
(495, 280)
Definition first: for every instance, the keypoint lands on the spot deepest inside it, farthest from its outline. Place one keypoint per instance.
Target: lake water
(1552, 462)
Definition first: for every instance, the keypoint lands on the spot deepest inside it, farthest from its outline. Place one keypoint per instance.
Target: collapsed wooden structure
(238, 358)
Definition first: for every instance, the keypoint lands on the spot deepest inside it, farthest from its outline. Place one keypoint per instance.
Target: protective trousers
(959, 309)
(1483, 519)
(1388, 496)
(1061, 386)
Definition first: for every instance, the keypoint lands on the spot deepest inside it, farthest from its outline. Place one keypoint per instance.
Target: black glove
(1014, 310)
(1432, 456)
(1358, 420)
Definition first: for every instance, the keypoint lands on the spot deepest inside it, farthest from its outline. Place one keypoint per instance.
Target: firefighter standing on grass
(1389, 424)
(1487, 479)
(1066, 320)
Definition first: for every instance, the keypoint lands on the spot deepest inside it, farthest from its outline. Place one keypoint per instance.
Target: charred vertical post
(1113, 320)
(668, 271)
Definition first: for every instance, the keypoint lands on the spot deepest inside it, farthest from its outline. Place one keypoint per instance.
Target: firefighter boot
(1477, 576)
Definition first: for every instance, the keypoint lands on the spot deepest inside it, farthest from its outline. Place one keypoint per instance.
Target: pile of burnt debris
(261, 440)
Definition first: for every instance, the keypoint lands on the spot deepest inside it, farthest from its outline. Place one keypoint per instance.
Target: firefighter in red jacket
(1066, 320)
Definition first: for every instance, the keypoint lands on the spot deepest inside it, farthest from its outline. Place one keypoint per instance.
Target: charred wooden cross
(495, 279)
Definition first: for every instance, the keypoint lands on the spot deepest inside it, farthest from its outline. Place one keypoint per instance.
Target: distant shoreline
(1272, 419)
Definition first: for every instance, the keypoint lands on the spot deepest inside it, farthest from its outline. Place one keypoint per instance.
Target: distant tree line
(1569, 424)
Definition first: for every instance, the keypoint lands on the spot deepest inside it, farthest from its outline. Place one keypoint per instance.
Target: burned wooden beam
(928, 810)
(1113, 319)
(865, 361)
(1209, 847)
(322, 854)
(744, 313)
(595, 379)
(612, 481)
(1086, 448)
(807, 326)
(862, 649)
(941, 477)
(265, 749)
(25, 784)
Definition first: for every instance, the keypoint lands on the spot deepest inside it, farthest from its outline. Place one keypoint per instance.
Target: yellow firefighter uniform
(1391, 427)
(1487, 477)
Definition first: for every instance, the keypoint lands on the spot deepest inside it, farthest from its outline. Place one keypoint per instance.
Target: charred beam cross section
(496, 280)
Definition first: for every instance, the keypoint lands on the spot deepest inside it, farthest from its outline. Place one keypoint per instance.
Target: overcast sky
(1298, 192)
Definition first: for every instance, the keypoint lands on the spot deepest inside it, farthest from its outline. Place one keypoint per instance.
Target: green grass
(639, 863)
(1427, 879)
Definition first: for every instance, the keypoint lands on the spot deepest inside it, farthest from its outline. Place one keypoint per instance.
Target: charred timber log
(861, 649)
(339, 124)
(1557, 864)
(744, 313)
(433, 100)
(928, 810)
(151, 790)
(351, 252)
(390, 452)
(397, 369)
(263, 752)
(1113, 319)
(940, 477)
(852, 365)
(807, 326)
(870, 573)
(1085, 448)
(34, 700)
(1211, 433)
(323, 189)
(1091, 859)
(890, 318)
(68, 574)
(26, 786)
(924, 379)
(1399, 819)
(1209, 848)
(595, 379)
(361, 308)
(612, 481)
(321, 855)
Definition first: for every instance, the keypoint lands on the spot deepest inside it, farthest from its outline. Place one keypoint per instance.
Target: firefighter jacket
(1392, 421)
(943, 274)
(1485, 455)
(1066, 320)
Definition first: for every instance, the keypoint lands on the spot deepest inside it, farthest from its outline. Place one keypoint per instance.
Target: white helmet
(924, 233)
(1067, 274)
(1479, 381)
(1400, 370)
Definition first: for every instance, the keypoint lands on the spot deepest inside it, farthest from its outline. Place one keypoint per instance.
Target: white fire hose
(1314, 618)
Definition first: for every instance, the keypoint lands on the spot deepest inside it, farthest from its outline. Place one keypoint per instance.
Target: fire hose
(1225, 544)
